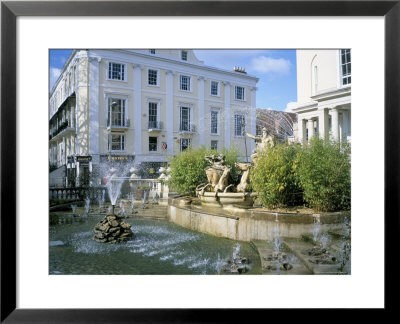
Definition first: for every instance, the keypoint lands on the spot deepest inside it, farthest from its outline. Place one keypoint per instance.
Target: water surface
(158, 247)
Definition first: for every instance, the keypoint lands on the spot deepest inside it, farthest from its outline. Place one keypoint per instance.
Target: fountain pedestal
(112, 230)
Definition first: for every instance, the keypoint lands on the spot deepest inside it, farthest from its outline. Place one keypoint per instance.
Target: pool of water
(158, 247)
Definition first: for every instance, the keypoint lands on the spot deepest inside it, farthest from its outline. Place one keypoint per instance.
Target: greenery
(317, 175)
(323, 171)
(274, 177)
(187, 168)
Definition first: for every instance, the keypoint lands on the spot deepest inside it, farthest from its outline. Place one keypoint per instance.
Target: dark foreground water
(158, 247)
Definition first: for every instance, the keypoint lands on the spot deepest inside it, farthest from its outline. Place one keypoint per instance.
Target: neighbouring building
(324, 94)
(143, 106)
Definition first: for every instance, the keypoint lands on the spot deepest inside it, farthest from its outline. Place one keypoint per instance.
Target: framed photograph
(98, 223)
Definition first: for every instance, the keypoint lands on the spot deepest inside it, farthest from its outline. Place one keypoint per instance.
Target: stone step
(268, 264)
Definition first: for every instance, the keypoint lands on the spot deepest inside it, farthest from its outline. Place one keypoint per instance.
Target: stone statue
(244, 184)
(218, 175)
(263, 142)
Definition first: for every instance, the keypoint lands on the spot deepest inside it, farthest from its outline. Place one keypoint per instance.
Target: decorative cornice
(95, 58)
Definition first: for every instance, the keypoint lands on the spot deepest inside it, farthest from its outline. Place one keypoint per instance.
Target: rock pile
(112, 230)
(277, 260)
(320, 256)
(238, 264)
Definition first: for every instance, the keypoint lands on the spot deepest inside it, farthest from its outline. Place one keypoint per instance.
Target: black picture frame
(10, 10)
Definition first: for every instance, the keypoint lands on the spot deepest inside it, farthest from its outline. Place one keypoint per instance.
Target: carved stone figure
(218, 174)
(244, 184)
(263, 142)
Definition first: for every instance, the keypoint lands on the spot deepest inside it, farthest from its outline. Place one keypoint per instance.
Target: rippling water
(158, 247)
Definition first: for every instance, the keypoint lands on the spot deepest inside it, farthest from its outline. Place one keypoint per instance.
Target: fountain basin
(246, 224)
(228, 199)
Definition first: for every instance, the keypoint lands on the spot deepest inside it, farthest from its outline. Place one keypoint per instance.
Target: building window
(152, 51)
(345, 57)
(239, 93)
(184, 83)
(185, 143)
(184, 125)
(153, 114)
(315, 79)
(116, 71)
(152, 77)
(117, 142)
(152, 144)
(214, 145)
(240, 123)
(214, 122)
(116, 112)
(184, 55)
(214, 88)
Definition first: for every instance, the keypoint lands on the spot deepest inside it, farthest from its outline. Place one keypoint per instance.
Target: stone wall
(249, 224)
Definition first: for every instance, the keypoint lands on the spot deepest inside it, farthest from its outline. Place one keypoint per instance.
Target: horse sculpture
(218, 175)
(244, 184)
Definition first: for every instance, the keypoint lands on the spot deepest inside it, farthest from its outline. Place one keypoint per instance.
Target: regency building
(143, 105)
(324, 94)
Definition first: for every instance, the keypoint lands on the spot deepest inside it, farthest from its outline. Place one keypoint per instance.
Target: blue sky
(276, 70)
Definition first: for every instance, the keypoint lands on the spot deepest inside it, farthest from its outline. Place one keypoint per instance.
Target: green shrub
(274, 177)
(323, 171)
(231, 155)
(188, 168)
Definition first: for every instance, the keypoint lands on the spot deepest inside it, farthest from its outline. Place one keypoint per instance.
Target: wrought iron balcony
(118, 124)
(187, 128)
(154, 126)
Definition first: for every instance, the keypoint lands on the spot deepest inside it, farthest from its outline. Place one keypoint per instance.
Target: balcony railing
(119, 124)
(154, 125)
(59, 129)
(187, 128)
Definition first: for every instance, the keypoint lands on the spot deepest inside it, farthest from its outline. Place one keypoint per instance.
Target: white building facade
(324, 94)
(144, 105)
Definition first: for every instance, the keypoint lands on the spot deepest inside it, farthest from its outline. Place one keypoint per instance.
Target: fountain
(111, 229)
(236, 263)
(133, 204)
(122, 212)
(345, 248)
(220, 191)
(101, 201)
(278, 260)
(319, 253)
(144, 199)
(87, 205)
(73, 207)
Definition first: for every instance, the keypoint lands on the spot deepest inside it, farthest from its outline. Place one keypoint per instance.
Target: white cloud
(264, 64)
(54, 74)
(290, 106)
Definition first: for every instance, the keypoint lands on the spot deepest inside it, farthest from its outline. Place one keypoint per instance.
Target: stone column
(200, 115)
(302, 131)
(137, 108)
(323, 124)
(94, 105)
(227, 113)
(335, 124)
(169, 127)
(345, 124)
(310, 127)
